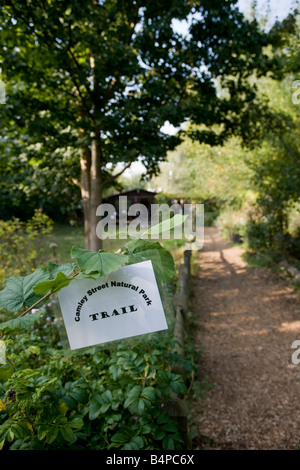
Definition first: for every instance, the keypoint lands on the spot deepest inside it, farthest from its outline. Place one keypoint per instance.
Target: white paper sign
(2, 352)
(124, 304)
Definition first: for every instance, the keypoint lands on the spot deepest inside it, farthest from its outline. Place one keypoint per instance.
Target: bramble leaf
(98, 261)
(53, 285)
(18, 291)
(66, 269)
(162, 261)
(20, 323)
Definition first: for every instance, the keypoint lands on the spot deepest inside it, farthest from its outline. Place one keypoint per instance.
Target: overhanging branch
(112, 178)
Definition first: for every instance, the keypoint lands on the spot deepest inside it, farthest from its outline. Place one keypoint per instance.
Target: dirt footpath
(247, 321)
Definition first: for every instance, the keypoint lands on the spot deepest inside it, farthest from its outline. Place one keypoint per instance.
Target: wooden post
(187, 259)
(179, 331)
(184, 281)
(178, 411)
(176, 407)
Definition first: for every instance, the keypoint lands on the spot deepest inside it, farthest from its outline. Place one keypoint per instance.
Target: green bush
(102, 399)
(106, 399)
(21, 244)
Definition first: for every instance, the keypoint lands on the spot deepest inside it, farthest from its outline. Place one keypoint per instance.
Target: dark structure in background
(134, 196)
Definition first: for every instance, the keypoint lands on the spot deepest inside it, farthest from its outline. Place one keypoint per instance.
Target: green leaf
(76, 423)
(163, 418)
(75, 393)
(101, 262)
(54, 285)
(95, 407)
(67, 433)
(129, 447)
(143, 250)
(149, 393)
(51, 434)
(80, 395)
(107, 396)
(147, 428)
(133, 395)
(19, 430)
(165, 225)
(122, 436)
(168, 443)
(159, 434)
(18, 291)
(100, 404)
(104, 408)
(25, 322)
(5, 372)
(115, 371)
(136, 443)
(138, 406)
(42, 431)
(135, 401)
(34, 350)
(66, 268)
(177, 385)
(171, 426)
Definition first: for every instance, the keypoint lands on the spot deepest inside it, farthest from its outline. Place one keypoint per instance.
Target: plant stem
(43, 298)
(35, 304)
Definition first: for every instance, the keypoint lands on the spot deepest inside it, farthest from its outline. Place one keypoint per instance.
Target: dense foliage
(51, 398)
(252, 191)
(21, 244)
(90, 86)
(105, 399)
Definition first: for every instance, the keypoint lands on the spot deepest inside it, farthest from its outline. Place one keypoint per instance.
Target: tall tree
(101, 78)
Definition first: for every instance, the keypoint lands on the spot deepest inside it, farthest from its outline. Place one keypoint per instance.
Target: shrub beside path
(247, 320)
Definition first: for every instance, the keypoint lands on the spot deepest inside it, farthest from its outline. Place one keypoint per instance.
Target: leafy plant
(106, 399)
(19, 243)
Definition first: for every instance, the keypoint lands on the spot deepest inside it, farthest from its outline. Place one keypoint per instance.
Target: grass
(267, 259)
(21, 259)
(66, 236)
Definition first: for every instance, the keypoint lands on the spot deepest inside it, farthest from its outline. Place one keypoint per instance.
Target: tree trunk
(96, 186)
(91, 192)
(92, 186)
(85, 186)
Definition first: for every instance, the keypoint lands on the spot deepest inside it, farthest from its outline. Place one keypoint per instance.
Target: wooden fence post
(176, 407)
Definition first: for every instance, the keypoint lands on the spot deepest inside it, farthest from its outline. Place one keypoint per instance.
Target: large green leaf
(53, 285)
(143, 250)
(20, 323)
(66, 268)
(165, 225)
(95, 407)
(149, 393)
(123, 435)
(134, 394)
(67, 433)
(76, 423)
(136, 443)
(98, 261)
(18, 291)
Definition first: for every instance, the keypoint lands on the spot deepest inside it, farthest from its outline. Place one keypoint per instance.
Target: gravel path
(247, 320)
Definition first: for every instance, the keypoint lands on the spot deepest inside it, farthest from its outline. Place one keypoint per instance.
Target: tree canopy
(90, 84)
